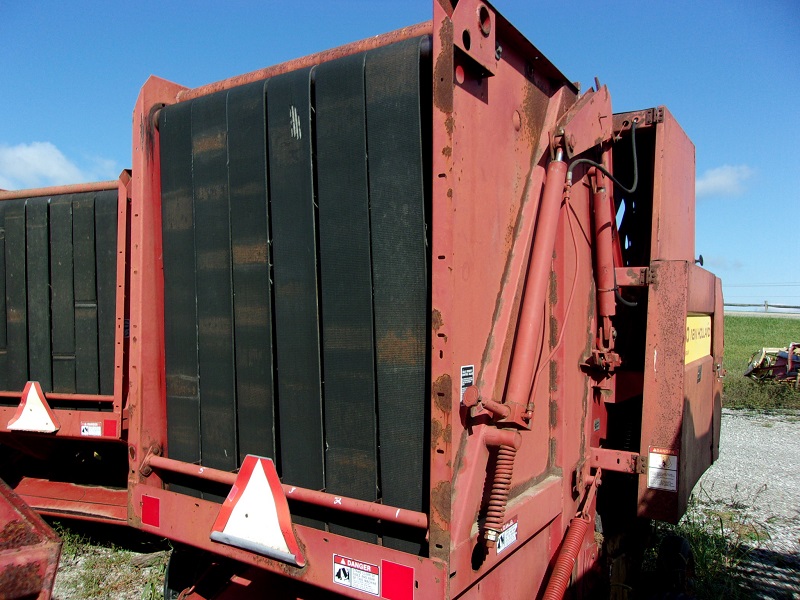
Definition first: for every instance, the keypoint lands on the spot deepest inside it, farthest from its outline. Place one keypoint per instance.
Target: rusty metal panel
(673, 193)
(680, 411)
(29, 549)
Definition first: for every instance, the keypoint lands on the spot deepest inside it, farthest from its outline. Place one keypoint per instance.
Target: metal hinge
(641, 464)
(655, 115)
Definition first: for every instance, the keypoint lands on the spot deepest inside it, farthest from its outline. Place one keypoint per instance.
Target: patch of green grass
(109, 562)
(722, 535)
(743, 337)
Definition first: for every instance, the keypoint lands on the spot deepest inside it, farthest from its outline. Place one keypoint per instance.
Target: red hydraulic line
(562, 571)
(604, 255)
(530, 322)
(58, 190)
(389, 514)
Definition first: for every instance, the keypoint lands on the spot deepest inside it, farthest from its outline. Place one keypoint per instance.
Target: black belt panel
(399, 269)
(294, 241)
(346, 282)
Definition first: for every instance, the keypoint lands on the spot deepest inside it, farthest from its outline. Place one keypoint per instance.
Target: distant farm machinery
(776, 364)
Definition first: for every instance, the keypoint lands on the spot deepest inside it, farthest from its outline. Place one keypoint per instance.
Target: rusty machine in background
(410, 318)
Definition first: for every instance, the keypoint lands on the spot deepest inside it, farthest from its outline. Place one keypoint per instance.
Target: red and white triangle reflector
(255, 515)
(33, 413)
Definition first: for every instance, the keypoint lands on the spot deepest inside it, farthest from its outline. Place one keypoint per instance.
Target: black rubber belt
(105, 215)
(16, 296)
(180, 295)
(346, 281)
(214, 274)
(62, 282)
(247, 176)
(83, 240)
(38, 289)
(399, 271)
(295, 279)
(3, 315)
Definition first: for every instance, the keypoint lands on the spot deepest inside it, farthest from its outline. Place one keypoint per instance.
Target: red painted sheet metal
(374, 510)
(189, 520)
(148, 421)
(673, 193)
(76, 424)
(61, 499)
(57, 190)
(29, 550)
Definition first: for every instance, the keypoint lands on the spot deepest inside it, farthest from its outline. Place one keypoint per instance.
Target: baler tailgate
(286, 265)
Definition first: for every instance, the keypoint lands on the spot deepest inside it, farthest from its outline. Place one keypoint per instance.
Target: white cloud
(727, 180)
(40, 164)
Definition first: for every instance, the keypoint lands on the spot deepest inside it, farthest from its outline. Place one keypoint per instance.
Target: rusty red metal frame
(389, 514)
(57, 190)
(29, 550)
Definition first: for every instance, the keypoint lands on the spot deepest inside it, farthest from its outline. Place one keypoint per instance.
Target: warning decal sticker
(662, 469)
(355, 574)
(467, 378)
(507, 536)
(91, 428)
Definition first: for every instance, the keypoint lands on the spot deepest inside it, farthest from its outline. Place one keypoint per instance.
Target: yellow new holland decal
(698, 337)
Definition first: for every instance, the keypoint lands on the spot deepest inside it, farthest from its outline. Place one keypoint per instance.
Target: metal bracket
(618, 460)
(474, 32)
(145, 469)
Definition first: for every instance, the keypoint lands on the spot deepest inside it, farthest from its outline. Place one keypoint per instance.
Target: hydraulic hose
(600, 167)
(498, 498)
(562, 571)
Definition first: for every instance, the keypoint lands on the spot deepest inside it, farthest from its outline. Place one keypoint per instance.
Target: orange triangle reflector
(255, 515)
(33, 413)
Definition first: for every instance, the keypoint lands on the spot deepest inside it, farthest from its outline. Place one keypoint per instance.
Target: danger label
(507, 536)
(355, 574)
(91, 429)
(662, 469)
(467, 378)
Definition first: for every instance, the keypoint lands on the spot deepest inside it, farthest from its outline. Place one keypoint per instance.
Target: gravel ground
(757, 478)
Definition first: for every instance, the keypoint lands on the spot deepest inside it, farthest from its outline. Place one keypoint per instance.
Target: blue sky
(728, 71)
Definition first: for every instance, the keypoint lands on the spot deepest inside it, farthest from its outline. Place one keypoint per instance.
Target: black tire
(675, 564)
(185, 567)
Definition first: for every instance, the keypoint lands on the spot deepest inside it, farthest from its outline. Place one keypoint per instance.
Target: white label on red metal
(507, 536)
(91, 428)
(355, 574)
(662, 469)
(467, 378)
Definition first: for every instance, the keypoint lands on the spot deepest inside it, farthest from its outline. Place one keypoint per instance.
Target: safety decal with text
(507, 536)
(467, 378)
(662, 469)
(352, 573)
(91, 428)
